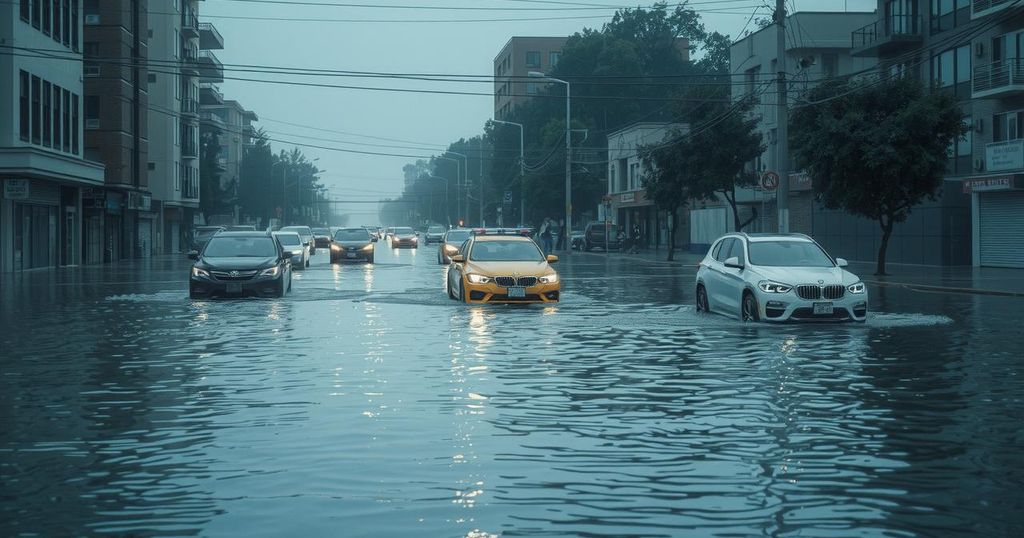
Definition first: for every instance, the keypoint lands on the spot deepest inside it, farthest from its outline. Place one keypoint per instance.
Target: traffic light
(461, 223)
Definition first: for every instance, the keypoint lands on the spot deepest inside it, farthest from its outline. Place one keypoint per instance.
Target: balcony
(210, 68)
(189, 62)
(190, 189)
(189, 107)
(984, 8)
(209, 118)
(210, 95)
(189, 149)
(887, 36)
(209, 37)
(998, 79)
(189, 24)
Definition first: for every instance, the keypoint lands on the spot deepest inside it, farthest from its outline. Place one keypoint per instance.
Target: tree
(214, 197)
(876, 148)
(708, 159)
(256, 186)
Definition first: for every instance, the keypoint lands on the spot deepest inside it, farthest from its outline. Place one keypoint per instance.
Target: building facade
(512, 67)
(119, 220)
(231, 127)
(628, 199)
(973, 49)
(42, 166)
(817, 47)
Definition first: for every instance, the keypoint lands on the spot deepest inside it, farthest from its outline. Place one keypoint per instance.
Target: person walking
(560, 243)
(545, 236)
(635, 247)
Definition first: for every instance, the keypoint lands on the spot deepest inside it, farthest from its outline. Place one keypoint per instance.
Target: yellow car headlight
(477, 279)
(549, 279)
(448, 249)
(335, 247)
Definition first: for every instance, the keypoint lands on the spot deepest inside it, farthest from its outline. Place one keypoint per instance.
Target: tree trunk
(735, 214)
(672, 235)
(886, 232)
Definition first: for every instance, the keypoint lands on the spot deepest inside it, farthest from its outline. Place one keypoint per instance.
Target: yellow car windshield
(506, 251)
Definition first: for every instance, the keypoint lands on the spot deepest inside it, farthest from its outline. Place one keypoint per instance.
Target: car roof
(285, 232)
(756, 237)
(355, 229)
(503, 238)
(243, 234)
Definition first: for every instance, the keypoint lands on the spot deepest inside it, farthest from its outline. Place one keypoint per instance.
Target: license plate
(519, 293)
(822, 308)
(234, 287)
(351, 255)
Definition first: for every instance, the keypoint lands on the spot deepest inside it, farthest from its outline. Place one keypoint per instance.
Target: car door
(455, 271)
(732, 278)
(714, 280)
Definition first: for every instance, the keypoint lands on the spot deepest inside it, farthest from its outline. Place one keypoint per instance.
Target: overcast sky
(423, 124)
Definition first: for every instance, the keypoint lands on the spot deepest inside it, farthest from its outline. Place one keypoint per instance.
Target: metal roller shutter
(1001, 229)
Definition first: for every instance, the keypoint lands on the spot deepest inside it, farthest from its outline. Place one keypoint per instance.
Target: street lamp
(568, 156)
(522, 170)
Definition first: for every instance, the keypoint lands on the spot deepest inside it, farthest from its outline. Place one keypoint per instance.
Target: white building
(41, 157)
(629, 202)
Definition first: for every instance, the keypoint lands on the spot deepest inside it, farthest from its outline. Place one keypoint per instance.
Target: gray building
(512, 66)
(42, 168)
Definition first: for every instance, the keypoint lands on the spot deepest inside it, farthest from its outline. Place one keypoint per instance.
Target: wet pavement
(367, 404)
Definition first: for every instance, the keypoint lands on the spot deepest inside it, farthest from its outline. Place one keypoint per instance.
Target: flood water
(367, 404)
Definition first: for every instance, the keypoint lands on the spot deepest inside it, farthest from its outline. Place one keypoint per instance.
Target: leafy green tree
(256, 185)
(214, 197)
(876, 148)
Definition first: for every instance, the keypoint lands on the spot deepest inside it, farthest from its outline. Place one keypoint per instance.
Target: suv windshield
(788, 254)
(457, 236)
(403, 231)
(506, 251)
(354, 234)
(240, 247)
(206, 234)
(289, 239)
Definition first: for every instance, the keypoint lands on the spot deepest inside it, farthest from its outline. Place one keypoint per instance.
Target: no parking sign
(770, 181)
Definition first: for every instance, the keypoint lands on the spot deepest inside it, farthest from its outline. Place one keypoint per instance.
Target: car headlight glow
(769, 286)
(368, 247)
(335, 247)
(478, 279)
(549, 279)
(450, 249)
(270, 271)
(856, 288)
(200, 272)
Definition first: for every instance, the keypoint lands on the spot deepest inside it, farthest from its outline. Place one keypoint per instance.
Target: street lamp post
(446, 213)
(568, 155)
(284, 185)
(458, 171)
(522, 170)
(458, 185)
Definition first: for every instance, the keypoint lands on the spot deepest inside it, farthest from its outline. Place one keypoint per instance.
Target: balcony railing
(209, 37)
(189, 106)
(212, 119)
(190, 189)
(209, 94)
(984, 8)
(189, 149)
(189, 61)
(886, 35)
(998, 78)
(189, 23)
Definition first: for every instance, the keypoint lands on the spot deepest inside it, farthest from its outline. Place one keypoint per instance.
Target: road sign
(770, 181)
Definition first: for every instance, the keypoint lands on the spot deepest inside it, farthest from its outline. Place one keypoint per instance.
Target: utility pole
(481, 157)
(782, 117)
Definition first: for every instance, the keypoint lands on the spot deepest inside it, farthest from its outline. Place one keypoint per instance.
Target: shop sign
(799, 181)
(1007, 155)
(987, 184)
(627, 197)
(16, 189)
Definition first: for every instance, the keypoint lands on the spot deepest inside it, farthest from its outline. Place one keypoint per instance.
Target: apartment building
(176, 37)
(972, 48)
(512, 66)
(42, 164)
(119, 221)
(817, 47)
(626, 193)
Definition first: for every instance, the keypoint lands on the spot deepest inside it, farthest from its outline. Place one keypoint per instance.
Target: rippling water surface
(366, 404)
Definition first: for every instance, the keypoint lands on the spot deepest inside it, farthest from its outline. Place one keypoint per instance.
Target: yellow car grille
(511, 281)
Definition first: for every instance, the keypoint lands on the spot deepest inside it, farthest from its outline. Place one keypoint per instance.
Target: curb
(946, 289)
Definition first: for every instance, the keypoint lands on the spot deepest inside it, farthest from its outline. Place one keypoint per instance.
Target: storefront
(998, 209)
(33, 224)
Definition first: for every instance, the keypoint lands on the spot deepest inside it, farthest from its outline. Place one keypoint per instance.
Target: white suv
(778, 277)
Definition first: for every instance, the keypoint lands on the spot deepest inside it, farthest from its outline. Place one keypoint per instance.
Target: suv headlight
(270, 271)
(769, 286)
(856, 288)
(200, 272)
(549, 279)
(478, 279)
(335, 246)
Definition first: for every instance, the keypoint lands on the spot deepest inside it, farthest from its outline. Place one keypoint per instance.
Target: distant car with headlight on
(404, 237)
(292, 243)
(322, 237)
(778, 277)
(450, 243)
(352, 244)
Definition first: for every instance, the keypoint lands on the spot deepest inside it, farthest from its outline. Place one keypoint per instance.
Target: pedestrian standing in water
(545, 235)
(635, 247)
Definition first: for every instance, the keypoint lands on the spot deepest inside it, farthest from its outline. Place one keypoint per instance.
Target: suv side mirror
(840, 262)
(193, 254)
(458, 258)
(733, 263)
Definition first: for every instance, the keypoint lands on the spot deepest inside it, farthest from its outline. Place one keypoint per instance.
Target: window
(67, 121)
(47, 16)
(74, 25)
(901, 17)
(533, 59)
(948, 14)
(24, 11)
(74, 123)
(47, 114)
(57, 116)
(737, 252)
(1008, 46)
(1008, 126)
(36, 14)
(66, 15)
(965, 142)
(553, 58)
(723, 248)
(92, 112)
(151, 166)
(24, 118)
(58, 21)
(531, 88)
(151, 77)
(177, 176)
(751, 77)
(634, 176)
(37, 96)
(952, 66)
(611, 177)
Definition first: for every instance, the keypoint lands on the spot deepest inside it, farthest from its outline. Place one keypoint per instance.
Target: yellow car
(503, 269)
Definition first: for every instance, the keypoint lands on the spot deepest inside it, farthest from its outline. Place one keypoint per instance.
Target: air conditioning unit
(92, 19)
(979, 165)
(979, 49)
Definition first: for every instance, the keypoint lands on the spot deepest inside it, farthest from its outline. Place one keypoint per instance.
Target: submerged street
(365, 403)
